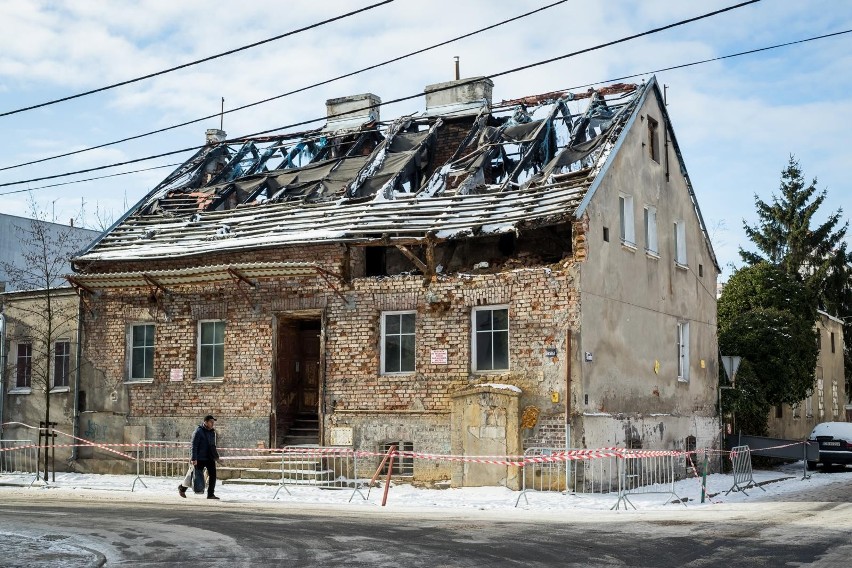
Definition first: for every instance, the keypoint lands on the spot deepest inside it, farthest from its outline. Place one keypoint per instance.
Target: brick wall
(542, 307)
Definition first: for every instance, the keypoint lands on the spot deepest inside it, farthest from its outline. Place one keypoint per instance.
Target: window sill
(627, 245)
(55, 390)
(21, 390)
(138, 381)
(681, 266)
(399, 374)
(652, 254)
(682, 380)
(209, 380)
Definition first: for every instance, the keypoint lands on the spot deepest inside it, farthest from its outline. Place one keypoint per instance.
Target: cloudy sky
(737, 120)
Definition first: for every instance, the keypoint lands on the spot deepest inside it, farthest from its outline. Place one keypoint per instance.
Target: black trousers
(211, 474)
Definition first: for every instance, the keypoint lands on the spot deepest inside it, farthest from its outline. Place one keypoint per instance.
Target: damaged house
(477, 278)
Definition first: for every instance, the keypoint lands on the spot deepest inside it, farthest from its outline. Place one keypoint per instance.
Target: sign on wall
(438, 356)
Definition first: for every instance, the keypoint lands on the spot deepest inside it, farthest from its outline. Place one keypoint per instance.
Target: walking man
(204, 456)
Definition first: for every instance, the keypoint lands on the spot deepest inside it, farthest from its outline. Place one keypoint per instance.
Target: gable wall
(631, 303)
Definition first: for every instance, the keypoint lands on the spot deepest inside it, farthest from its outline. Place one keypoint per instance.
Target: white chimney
(214, 136)
(464, 96)
(352, 111)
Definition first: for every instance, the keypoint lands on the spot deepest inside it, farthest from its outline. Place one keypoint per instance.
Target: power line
(287, 94)
(197, 61)
(90, 179)
(604, 81)
(400, 99)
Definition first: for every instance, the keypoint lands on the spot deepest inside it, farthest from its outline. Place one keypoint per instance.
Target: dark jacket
(204, 444)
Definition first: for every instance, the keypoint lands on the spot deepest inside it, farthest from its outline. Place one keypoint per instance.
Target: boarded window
(402, 464)
(654, 139)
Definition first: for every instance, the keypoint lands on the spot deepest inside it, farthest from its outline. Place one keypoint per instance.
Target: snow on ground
(779, 483)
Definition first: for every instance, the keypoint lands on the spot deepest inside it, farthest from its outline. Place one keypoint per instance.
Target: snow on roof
(521, 164)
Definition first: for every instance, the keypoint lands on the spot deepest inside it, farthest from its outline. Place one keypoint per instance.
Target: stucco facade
(826, 403)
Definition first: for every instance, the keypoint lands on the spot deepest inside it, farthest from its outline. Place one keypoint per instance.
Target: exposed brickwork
(542, 307)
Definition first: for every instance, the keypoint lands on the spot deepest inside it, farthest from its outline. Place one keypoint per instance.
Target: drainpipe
(75, 425)
(2, 365)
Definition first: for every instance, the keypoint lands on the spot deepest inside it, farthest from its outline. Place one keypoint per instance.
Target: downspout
(76, 422)
(2, 365)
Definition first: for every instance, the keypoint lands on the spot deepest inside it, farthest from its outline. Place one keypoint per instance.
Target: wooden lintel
(413, 258)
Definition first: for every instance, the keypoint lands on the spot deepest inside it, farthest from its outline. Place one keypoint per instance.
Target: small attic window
(606, 234)
(654, 139)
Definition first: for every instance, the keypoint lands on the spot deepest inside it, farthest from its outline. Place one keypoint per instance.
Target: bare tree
(42, 318)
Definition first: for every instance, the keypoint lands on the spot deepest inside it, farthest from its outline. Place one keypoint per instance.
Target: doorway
(297, 382)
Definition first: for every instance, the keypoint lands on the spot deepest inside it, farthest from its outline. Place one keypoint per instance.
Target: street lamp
(730, 363)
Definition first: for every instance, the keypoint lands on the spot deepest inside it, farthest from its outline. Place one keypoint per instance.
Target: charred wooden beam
(413, 258)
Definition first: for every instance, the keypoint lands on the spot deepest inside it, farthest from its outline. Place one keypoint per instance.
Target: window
(700, 270)
(779, 411)
(797, 410)
(211, 349)
(625, 207)
(680, 243)
(491, 338)
(651, 229)
(24, 366)
(397, 342)
(61, 363)
(141, 361)
(683, 351)
(654, 139)
(832, 342)
(606, 234)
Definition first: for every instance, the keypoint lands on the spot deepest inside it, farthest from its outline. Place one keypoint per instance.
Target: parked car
(835, 443)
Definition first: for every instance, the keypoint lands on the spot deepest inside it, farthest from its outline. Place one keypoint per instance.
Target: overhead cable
(287, 94)
(400, 99)
(196, 62)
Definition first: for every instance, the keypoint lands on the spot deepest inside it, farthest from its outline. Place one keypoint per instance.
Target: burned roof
(461, 169)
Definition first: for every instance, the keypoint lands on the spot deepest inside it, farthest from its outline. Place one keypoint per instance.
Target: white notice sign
(438, 357)
(176, 375)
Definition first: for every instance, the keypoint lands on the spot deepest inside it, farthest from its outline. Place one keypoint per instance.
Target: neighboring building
(827, 403)
(476, 279)
(14, 233)
(39, 354)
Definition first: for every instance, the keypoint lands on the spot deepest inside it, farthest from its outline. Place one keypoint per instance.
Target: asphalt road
(36, 530)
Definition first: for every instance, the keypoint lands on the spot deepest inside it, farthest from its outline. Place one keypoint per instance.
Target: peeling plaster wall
(631, 303)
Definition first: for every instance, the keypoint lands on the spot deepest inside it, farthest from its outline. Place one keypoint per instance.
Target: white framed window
(490, 347)
(683, 351)
(140, 352)
(625, 217)
(61, 363)
(398, 342)
(24, 365)
(680, 243)
(651, 230)
(211, 349)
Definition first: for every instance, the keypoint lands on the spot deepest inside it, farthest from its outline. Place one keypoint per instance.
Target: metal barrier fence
(614, 471)
(19, 458)
(573, 472)
(323, 467)
(648, 473)
(743, 474)
(161, 458)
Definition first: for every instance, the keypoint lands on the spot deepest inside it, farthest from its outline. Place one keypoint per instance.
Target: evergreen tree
(818, 256)
(767, 317)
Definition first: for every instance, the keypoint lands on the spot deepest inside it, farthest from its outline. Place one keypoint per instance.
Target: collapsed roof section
(463, 167)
